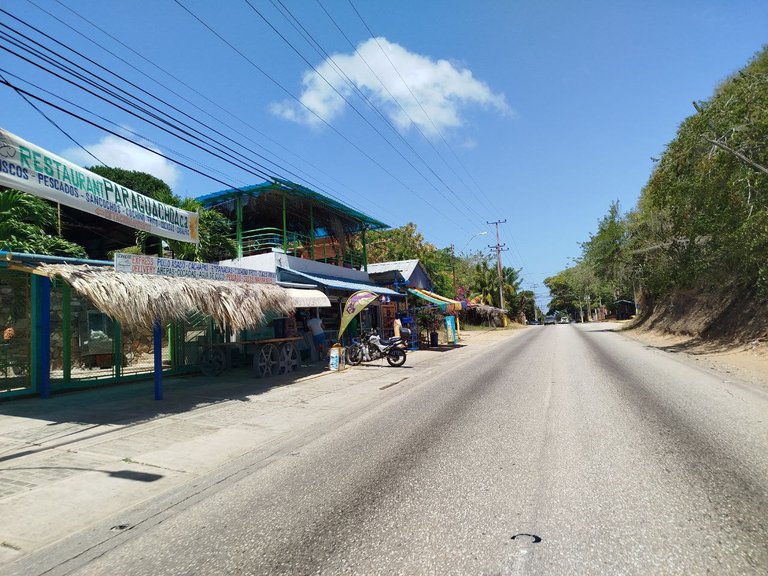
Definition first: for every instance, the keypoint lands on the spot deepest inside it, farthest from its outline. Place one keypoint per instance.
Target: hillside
(694, 251)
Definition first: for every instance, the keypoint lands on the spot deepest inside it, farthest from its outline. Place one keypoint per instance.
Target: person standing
(318, 334)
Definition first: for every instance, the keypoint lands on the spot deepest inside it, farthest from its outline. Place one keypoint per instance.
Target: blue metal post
(158, 346)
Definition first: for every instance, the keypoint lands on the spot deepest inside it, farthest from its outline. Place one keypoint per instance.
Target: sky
(449, 114)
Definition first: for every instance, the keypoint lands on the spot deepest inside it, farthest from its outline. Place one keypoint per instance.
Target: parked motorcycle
(372, 347)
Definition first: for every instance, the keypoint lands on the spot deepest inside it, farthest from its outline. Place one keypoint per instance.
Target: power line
(325, 122)
(359, 113)
(264, 171)
(117, 40)
(49, 119)
(418, 102)
(95, 125)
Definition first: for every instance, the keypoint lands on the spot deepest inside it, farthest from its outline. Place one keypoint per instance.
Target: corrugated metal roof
(339, 283)
(405, 267)
(294, 189)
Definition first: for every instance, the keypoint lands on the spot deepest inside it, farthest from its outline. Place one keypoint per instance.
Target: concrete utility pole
(535, 312)
(499, 248)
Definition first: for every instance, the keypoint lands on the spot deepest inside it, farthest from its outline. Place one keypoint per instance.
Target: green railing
(261, 240)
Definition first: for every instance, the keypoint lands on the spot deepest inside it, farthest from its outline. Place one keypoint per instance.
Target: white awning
(308, 298)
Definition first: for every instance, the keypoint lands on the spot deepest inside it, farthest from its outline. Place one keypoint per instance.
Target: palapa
(141, 300)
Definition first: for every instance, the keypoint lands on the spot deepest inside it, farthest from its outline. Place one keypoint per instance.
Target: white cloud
(118, 153)
(440, 88)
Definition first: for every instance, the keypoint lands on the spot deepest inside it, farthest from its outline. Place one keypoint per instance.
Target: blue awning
(337, 283)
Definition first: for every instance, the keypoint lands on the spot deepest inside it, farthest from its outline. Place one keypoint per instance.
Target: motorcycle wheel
(354, 355)
(396, 357)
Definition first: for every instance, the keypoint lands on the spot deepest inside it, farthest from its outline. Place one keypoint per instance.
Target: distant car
(533, 322)
(549, 320)
(565, 320)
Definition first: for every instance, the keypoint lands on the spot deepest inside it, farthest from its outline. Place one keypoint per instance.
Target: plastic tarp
(303, 298)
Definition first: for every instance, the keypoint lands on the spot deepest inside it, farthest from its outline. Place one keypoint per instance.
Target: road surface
(564, 449)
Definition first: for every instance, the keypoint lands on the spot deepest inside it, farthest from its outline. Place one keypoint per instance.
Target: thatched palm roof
(138, 300)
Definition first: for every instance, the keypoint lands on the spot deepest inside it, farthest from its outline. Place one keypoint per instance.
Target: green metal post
(285, 227)
(365, 252)
(66, 330)
(117, 351)
(312, 231)
(171, 331)
(239, 224)
(40, 357)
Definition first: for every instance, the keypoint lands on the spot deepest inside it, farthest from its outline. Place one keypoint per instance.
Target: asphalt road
(562, 450)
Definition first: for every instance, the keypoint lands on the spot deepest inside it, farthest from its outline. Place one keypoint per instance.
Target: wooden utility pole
(499, 247)
(453, 270)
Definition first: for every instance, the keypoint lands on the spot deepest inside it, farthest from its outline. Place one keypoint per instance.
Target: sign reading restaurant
(137, 264)
(31, 169)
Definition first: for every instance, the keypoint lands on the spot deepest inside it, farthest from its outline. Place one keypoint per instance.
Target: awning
(143, 299)
(308, 298)
(445, 304)
(339, 283)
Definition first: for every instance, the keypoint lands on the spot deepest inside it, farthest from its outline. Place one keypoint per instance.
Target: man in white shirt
(318, 335)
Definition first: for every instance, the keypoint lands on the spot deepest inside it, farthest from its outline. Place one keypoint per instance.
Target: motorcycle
(372, 347)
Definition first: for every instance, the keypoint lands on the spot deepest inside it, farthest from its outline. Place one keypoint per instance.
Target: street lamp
(470, 240)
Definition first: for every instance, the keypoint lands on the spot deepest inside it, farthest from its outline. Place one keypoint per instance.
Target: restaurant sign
(29, 168)
(139, 264)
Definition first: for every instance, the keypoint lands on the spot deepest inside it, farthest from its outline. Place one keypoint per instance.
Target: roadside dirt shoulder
(746, 362)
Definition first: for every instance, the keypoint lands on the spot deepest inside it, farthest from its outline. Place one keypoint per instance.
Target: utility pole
(499, 248)
(453, 270)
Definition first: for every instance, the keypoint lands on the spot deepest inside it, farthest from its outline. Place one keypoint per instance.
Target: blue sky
(541, 113)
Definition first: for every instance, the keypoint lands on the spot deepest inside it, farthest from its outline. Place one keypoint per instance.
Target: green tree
(606, 252)
(26, 225)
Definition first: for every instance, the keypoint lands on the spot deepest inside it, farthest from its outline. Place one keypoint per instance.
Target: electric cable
(126, 129)
(416, 99)
(49, 119)
(400, 105)
(294, 21)
(354, 108)
(117, 40)
(330, 126)
(113, 94)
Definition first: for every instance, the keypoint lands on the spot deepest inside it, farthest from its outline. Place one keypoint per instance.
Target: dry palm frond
(141, 300)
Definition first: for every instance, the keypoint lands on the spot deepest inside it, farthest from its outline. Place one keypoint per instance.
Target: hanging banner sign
(355, 304)
(31, 169)
(138, 264)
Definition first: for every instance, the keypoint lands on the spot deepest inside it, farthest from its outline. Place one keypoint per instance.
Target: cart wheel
(213, 362)
(268, 361)
(289, 357)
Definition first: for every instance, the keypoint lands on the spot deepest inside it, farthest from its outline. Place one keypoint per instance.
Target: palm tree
(485, 282)
(24, 224)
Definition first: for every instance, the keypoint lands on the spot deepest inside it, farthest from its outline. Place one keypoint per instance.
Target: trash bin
(336, 355)
(433, 339)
